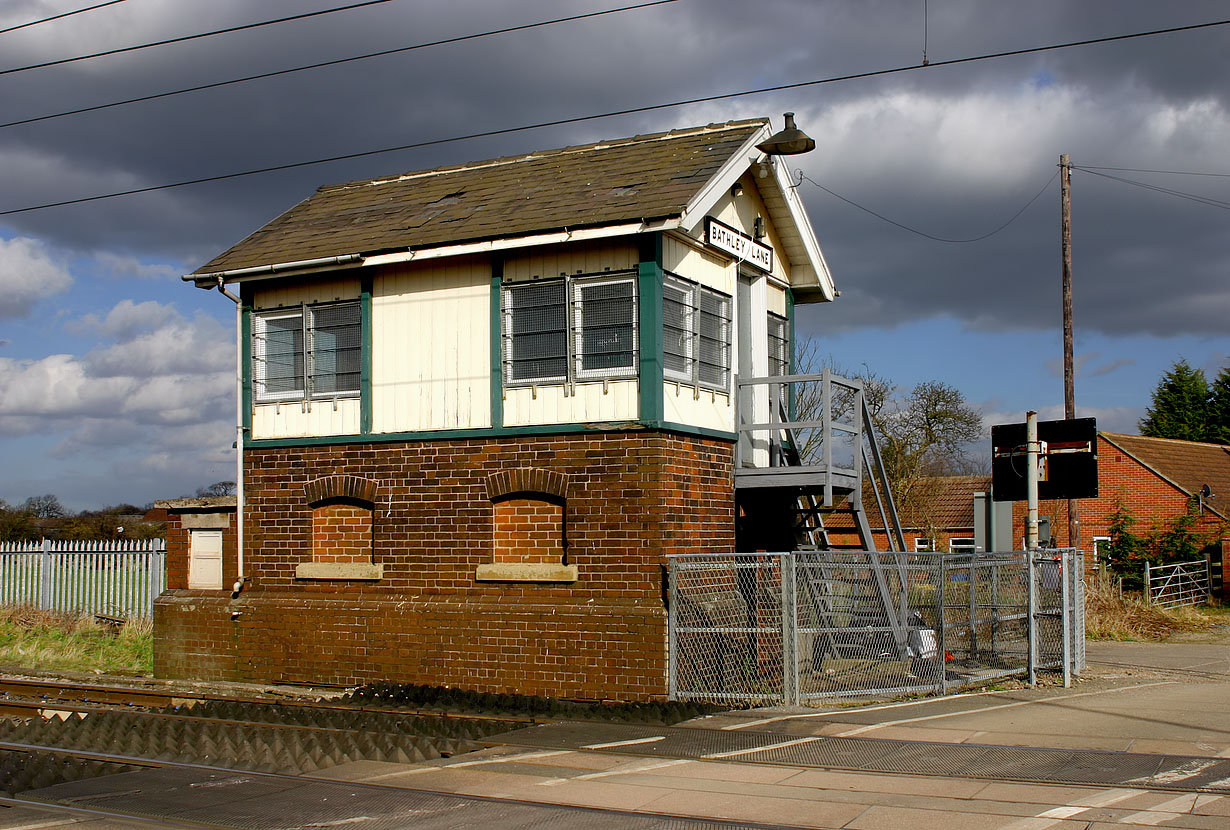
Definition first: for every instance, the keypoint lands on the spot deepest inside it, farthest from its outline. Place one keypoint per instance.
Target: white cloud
(122, 267)
(29, 272)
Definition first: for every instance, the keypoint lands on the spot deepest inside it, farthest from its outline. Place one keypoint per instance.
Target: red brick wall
(341, 533)
(177, 538)
(1149, 497)
(528, 530)
(632, 497)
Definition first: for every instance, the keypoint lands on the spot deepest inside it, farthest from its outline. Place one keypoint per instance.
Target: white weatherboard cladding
(571, 258)
(293, 419)
(321, 291)
(616, 400)
(431, 356)
(740, 212)
(775, 297)
(710, 269)
(684, 404)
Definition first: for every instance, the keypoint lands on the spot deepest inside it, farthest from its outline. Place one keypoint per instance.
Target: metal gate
(801, 626)
(1182, 583)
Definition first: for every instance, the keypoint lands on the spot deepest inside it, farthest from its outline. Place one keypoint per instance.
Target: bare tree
(218, 488)
(44, 507)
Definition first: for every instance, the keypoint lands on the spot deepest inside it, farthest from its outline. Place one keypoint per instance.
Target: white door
(205, 559)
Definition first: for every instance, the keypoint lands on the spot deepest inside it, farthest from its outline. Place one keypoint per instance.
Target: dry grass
(1110, 614)
(34, 639)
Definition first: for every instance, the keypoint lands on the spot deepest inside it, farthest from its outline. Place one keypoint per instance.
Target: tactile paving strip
(1056, 766)
(211, 799)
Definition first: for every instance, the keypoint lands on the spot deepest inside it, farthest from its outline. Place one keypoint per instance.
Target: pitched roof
(1186, 464)
(646, 177)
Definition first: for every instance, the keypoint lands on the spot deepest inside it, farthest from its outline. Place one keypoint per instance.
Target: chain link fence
(804, 626)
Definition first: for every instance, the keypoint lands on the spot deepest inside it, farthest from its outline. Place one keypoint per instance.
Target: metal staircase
(808, 469)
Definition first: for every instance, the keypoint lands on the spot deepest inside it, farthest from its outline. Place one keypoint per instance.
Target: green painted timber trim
(365, 359)
(649, 318)
(502, 432)
(497, 343)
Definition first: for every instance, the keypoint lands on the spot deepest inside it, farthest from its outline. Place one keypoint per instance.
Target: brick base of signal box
(431, 616)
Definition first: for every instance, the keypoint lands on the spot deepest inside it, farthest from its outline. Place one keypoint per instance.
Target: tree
(218, 488)
(15, 524)
(1219, 408)
(923, 433)
(44, 507)
(1181, 406)
(1168, 540)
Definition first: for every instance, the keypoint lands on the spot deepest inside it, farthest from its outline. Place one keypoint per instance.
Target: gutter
(208, 281)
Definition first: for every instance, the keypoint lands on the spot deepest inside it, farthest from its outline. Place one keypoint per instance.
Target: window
(696, 334)
(311, 351)
(922, 544)
(577, 328)
(961, 545)
(779, 345)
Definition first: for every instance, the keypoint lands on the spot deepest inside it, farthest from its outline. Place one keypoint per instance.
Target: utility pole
(1069, 369)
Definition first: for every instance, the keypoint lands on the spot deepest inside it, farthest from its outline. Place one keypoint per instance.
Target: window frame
(574, 286)
(305, 356)
(695, 317)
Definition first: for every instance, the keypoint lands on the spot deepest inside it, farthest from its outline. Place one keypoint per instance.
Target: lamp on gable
(790, 141)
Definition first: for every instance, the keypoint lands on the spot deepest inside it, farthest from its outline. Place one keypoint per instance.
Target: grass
(1111, 614)
(48, 641)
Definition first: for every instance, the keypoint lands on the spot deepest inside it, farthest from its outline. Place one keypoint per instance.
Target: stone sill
(526, 572)
(339, 570)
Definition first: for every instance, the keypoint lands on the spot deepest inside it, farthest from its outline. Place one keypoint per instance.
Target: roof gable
(1186, 464)
(649, 177)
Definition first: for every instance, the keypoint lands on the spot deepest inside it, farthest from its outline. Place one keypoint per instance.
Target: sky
(116, 377)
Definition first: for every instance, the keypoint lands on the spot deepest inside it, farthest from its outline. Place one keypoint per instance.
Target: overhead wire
(610, 114)
(382, 53)
(1192, 197)
(184, 38)
(1167, 172)
(1011, 219)
(60, 16)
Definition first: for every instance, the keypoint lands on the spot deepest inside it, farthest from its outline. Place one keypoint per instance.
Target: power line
(184, 38)
(1143, 170)
(1011, 219)
(58, 16)
(383, 53)
(559, 122)
(1192, 197)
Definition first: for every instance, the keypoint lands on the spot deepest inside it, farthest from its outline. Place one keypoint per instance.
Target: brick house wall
(1121, 479)
(632, 497)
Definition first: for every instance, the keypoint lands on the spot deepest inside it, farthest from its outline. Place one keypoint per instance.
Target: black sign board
(1069, 460)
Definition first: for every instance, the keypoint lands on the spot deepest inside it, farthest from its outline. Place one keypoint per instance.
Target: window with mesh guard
(578, 328)
(305, 352)
(696, 334)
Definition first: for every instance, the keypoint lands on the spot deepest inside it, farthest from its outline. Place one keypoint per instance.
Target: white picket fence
(112, 578)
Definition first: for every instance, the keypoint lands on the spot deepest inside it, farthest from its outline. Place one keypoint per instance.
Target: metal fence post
(941, 594)
(1067, 618)
(672, 627)
(1032, 613)
(1148, 585)
(790, 632)
(44, 575)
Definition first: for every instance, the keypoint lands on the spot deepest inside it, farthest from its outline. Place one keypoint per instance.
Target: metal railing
(1178, 584)
(112, 578)
(808, 625)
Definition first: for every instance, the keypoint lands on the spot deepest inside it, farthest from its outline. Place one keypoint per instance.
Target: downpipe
(241, 581)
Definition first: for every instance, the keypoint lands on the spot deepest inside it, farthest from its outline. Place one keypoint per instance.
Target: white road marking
(503, 759)
(754, 749)
(860, 730)
(626, 770)
(777, 718)
(632, 742)
(1166, 811)
(1055, 815)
